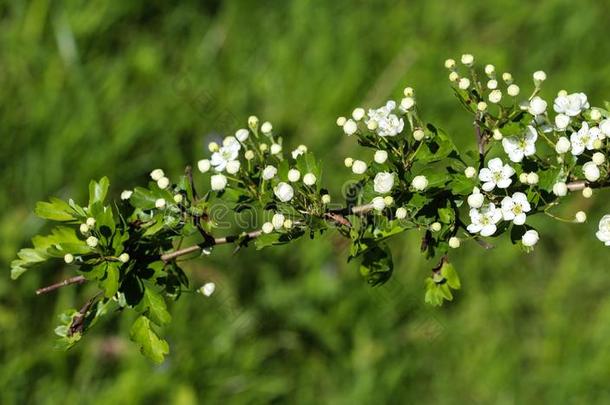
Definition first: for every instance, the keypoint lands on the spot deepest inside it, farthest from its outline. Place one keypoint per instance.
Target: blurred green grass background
(91, 88)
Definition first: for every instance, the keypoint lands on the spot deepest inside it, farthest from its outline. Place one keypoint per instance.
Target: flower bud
(407, 103)
(495, 96)
(598, 158)
(464, 83)
(263, 147)
(597, 144)
(563, 145)
(537, 106)
(124, 258)
(380, 156)
(212, 147)
(372, 125)
(580, 217)
(530, 238)
(378, 203)
(68, 258)
(475, 200)
(513, 90)
(233, 166)
(539, 76)
(453, 76)
(269, 172)
(482, 106)
(497, 135)
(388, 200)
(267, 227)
(532, 178)
(156, 174)
(454, 242)
(294, 175)
(358, 114)
(490, 70)
(284, 192)
(278, 221)
(470, 172)
(218, 182)
(326, 199)
(288, 224)
(523, 178)
(178, 198)
(560, 189)
(90, 222)
(418, 134)
(266, 128)
(591, 171)
(207, 289)
(358, 167)
(242, 134)
(309, 179)
(163, 183)
(126, 194)
(348, 162)
(249, 155)
(253, 122)
(467, 59)
(203, 165)
(84, 229)
(419, 183)
(92, 241)
(276, 148)
(408, 92)
(160, 203)
(450, 64)
(596, 115)
(401, 213)
(350, 127)
(587, 192)
(436, 226)
(507, 77)
(341, 121)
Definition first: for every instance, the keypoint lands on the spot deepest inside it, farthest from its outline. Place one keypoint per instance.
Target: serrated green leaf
(151, 345)
(448, 272)
(153, 304)
(377, 265)
(110, 283)
(98, 190)
(54, 210)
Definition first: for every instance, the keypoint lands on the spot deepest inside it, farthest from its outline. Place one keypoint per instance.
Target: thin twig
(216, 241)
(53, 287)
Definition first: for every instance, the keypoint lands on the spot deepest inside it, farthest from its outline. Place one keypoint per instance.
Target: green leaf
(448, 272)
(153, 304)
(110, 283)
(55, 210)
(276, 238)
(436, 148)
(377, 265)
(151, 345)
(98, 191)
(462, 185)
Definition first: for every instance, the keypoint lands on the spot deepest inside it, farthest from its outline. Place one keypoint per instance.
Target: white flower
(380, 156)
(496, 174)
(514, 208)
(484, 220)
(591, 171)
(225, 154)
(242, 134)
(160, 203)
(513, 90)
(495, 96)
(401, 213)
(604, 126)
(383, 182)
(350, 127)
(517, 148)
(309, 179)
(419, 183)
(562, 121)
(278, 220)
(267, 227)
(584, 139)
(284, 192)
(126, 194)
(233, 166)
(92, 241)
(68, 258)
(384, 122)
(358, 167)
(571, 104)
(596, 115)
(378, 203)
(276, 148)
(580, 217)
(297, 152)
(603, 234)
(207, 289)
(476, 199)
(266, 128)
(218, 182)
(203, 165)
(563, 145)
(156, 174)
(294, 175)
(269, 172)
(358, 114)
(163, 183)
(124, 258)
(537, 106)
(560, 189)
(470, 172)
(454, 242)
(530, 238)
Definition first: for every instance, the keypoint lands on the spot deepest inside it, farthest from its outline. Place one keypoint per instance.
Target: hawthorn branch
(66, 282)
